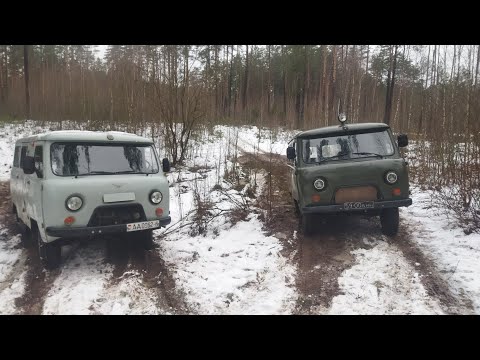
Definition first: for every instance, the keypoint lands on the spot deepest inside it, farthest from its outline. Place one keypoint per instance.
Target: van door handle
(17, 176)
(28, 182)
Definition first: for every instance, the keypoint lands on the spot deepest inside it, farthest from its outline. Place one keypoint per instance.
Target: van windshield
(349, 146)
(97, 159)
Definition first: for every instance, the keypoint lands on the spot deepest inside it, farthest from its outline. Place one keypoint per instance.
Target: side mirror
(28, 165)
(291, 153)
(402, 140)
(165, 165)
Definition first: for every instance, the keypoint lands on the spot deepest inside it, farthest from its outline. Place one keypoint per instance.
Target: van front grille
(357, 193)
(117, 214)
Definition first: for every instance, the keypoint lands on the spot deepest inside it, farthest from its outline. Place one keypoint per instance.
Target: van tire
(25, 236)
(146, 239)
(50, 253)
(389, 219)
(306, 223)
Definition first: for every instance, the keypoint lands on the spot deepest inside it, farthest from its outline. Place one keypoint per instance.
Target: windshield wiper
(96, 172)
(131, 172)
(368, 153)
(332, 157)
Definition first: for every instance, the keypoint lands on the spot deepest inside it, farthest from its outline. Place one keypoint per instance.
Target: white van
(76, 184)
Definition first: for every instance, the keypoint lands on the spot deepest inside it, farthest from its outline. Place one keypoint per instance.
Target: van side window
(16, 157)
(39, 161)
(23, 155)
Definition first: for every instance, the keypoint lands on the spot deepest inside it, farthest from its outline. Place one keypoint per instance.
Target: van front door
(34, 187)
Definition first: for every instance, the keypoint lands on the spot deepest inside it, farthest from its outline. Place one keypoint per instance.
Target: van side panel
(15, 175)
(20, 187)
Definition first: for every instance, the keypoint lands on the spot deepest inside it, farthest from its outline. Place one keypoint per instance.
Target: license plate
(358, 205)
(144, 225)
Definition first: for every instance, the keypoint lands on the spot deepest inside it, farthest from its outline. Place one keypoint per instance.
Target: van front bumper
(340, 208)
(74, 232)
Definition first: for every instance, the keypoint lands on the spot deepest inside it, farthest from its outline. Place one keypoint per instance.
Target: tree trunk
(284, 86)
(27, 86)
(386, 117)
(476, 69)
(245, 83)
(269, 84)
(333, 81)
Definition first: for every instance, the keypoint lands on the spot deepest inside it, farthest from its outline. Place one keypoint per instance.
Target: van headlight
(156, 197)
(391, 177)
(319, 184)
(74, 203)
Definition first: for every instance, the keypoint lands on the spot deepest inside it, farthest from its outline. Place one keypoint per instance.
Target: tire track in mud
(38, 283)
(320, 258)
(324, 256)
(37, 280)
(126, 255)
(436, 286)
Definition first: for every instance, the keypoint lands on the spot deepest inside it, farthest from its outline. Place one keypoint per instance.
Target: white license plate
(144, 225)
(359, 205)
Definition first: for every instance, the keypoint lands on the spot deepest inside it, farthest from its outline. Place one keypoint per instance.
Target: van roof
(330, 130)
(90, 136)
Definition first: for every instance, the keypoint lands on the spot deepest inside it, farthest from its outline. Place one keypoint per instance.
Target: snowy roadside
(226, 269)
(12, 283)
(456, 255)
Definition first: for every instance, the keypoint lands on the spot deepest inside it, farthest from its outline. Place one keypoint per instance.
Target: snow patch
(79, 285)
(382, 282)
(456, 255)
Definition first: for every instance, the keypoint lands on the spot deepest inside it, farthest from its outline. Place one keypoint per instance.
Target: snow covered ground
(228, 269)
(456, 255)
(382, 282)
(12, 283)
(227, 265)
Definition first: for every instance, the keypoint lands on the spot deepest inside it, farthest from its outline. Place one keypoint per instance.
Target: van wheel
(306, 222)
(146, 239)
(50, 253)
(389, 219)
(25, 236)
